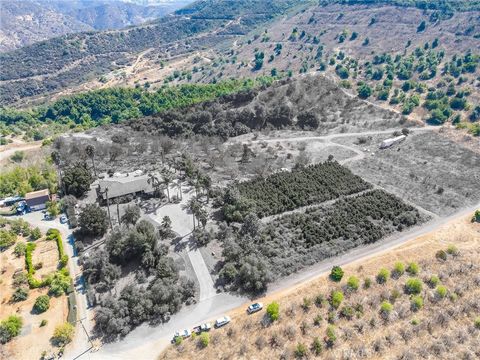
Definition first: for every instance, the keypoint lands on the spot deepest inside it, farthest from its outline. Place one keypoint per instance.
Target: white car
(255, 307)
(182, 333)
(222, 321)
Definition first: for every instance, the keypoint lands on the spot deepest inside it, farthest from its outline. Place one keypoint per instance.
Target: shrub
(9, 328)
(7, 239)
(336, 274)
(319, 300)
(63, 334)
(42, 303)
(317, 346)
(273, 311)
(178, 340)
(331, 336)
(441, 291)
(28, 258)
(367, 283)
(413, 286)
(383, 276)
(476, 323)
(204, 339)
(398, 270)
(19, 249)
(347, 312)
(353, 283)
(415, 321)
(386, 308)
(416, 303)
(43, 323)
(317, 320)
(441, 255)
(394, 295)
(336, 299)
(433, 281)
(307, 303)
(452, 250)
(20, 294)
(35, 234)
(413, 268)
(300, 350)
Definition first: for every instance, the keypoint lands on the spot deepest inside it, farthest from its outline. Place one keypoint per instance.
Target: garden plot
(426, 169)
(34, 339)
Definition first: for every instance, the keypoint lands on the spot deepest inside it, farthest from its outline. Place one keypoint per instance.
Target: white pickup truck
(222, 321)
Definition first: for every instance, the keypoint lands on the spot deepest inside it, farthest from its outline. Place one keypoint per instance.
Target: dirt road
(8, 150)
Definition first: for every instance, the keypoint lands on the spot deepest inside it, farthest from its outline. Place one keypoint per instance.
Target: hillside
(26, 22)
(416, 301)
(73, 59)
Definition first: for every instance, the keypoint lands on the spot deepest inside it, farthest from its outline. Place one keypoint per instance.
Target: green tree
(53, 209)
(90, 151)
(413, 286)
(383, 276)
(422, 26)
(336, 298)
(42, 303)
(9, 328)
(353, 283)
(131, 215)
(93, 221)
(204, 339)
(364, 91)
(7, 239)
(77, 179)
(20, 294)
(273, 311)
(336, 274)
(416, 302)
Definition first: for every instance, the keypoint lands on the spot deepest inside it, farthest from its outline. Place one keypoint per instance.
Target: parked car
(47, 217)
(253, 308)
(222, 321)
(63, 219)
(182, 333)
(201, 328)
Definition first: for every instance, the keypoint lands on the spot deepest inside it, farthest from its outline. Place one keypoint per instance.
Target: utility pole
(108, 209)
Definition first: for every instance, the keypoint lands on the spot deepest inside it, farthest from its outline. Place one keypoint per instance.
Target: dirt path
(8, 150)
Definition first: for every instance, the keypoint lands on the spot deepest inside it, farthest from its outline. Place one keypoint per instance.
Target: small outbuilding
(37, 200)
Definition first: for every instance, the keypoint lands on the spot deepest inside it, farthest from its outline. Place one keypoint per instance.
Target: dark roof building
(128, 184)
(37, 200)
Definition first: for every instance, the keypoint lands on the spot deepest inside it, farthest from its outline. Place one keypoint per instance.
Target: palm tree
(155, 181)
(55, 155)
(194, 207)
(167, 179)
(90, 151)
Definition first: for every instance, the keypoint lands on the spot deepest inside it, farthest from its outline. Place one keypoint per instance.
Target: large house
(124, 185)
(37, 200)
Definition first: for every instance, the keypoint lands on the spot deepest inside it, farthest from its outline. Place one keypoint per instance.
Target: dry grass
(34, 339)
(443, 328)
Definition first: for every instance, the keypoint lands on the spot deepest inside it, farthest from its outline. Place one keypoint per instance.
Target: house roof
(124, 185)
(37, 194)
(37, 197)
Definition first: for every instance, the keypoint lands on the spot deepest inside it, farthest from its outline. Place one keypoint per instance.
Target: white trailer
(389, 142)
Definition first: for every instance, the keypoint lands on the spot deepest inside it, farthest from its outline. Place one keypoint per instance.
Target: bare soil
(427, 169)
(33, 339)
